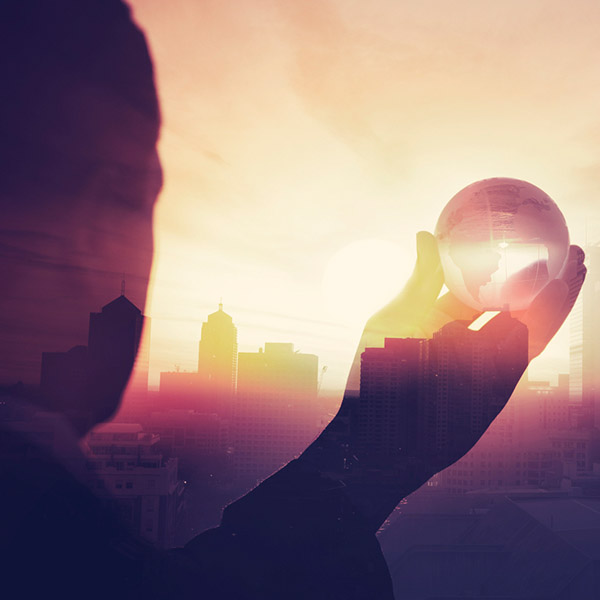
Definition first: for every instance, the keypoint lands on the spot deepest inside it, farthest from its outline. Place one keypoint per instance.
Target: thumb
(425, 283)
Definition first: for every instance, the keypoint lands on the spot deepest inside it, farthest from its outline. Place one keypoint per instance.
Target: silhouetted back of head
(75, 73)
(79, 175)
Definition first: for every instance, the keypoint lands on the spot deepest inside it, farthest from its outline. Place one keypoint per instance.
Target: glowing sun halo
(363, 276)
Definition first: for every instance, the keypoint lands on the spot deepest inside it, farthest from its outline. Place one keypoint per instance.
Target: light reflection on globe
(501, 241)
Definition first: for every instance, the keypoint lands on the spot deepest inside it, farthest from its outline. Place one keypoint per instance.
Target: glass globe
(501, 241)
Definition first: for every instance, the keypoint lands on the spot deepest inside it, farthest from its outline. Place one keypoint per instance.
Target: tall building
(137, 389)
(275, 413)
(115, 333)
(463, 389)
(433, 397)
(211, 389)
(531, 444)
(387, 413)
(585, 342)
(218, 353)
(113, 341)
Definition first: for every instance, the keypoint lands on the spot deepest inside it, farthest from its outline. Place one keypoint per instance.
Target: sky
(305, 143)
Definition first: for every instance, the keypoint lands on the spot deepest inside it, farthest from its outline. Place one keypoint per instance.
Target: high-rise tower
(274, 415)
(115, 333)
(211, 389)
(217, 357)
(387, 412)
(584, 382)
(104, 366)
(433, 397)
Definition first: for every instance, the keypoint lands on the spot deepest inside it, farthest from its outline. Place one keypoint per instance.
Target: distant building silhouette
(115, 333)
(275, 415)
(218, 353)
(585, 343)
(137, 389)
(461, 391)
(388, 411)
(533, 443)
(211, 389)
(427, 397)
(113, 341)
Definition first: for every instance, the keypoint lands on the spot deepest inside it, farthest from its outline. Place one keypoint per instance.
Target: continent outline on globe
(501, 241)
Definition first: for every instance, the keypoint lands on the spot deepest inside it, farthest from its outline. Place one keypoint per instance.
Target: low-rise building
(126, 469)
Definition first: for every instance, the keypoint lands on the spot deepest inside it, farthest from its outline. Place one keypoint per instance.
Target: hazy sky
(293, 130)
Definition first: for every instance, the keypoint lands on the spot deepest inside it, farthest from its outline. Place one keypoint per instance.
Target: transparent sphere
(501, 241)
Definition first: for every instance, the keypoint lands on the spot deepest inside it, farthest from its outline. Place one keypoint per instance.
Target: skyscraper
(137, 388)
(113, 341)
(584, 387)
(115, 333)
(217, 354)
(433, 397)
(458, 390)
(387, 412)
(211, 389)
(275, 416)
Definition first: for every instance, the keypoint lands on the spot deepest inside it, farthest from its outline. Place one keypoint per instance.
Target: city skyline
(141, 374)
(435, 390)
(322, 127)
(546, 367)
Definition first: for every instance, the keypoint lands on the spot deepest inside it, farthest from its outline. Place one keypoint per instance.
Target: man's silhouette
(79, 178)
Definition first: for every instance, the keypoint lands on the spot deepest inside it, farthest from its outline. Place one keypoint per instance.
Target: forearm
(372, 484)
(295, 535)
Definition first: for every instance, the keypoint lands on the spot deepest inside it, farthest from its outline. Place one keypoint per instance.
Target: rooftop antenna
(123, 285)
(221, 303)
(323, 371)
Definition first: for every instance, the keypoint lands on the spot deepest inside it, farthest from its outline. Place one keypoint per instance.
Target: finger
(425, 283)
(573, 275)
(552, 305)
(417, 297)
(406, 314)
(543, 315)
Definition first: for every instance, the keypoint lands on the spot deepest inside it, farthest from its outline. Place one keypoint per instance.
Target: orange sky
(295, 128)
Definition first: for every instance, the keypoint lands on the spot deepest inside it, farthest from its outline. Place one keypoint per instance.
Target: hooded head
(79, 176)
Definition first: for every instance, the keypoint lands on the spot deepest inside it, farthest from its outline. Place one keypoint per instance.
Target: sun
(361, 277)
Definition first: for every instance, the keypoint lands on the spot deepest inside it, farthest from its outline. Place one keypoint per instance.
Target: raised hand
(505, 345)
(418, 311)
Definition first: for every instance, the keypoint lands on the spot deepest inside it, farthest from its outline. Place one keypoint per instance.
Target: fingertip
(427, 248)
(424, 235)
(425, 240)
(576, 254)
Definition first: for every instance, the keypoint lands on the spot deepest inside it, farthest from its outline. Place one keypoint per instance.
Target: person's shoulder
(56, 534)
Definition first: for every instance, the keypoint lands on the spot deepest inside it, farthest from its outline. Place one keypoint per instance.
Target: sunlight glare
(362, 277)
